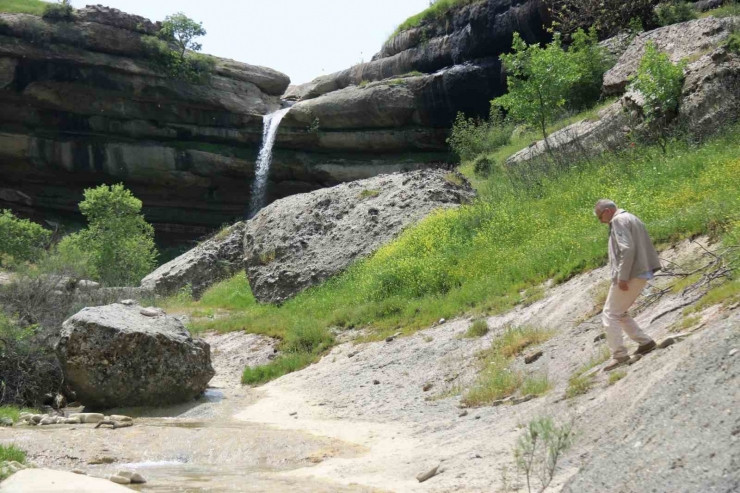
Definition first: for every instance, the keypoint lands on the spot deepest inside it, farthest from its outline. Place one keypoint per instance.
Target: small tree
(539, 81)
(660, 81)
(539, 449)
(182, 30)
(118, 242)
(62, 10)
(592, 61)
(674, 12)
(20, 239)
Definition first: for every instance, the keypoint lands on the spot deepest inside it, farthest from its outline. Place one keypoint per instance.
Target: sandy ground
(372, 416)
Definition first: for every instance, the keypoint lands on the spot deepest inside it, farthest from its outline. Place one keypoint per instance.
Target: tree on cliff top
(182, 30)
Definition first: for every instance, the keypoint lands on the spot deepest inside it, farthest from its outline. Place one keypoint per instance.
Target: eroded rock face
(679, 41)
(215, 259)
(300, 241)
(115, 355)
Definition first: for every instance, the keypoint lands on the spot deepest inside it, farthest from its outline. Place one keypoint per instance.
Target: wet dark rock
(113, 356)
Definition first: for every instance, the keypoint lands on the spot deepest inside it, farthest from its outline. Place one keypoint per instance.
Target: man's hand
(624, 285)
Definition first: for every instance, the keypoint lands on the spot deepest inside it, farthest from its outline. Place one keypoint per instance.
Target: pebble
(463, 414)
(121, 418)
(733, 352)
(79, 471)
(132, 476)
(128, 302)
(441, 321)
(427, 387)
(532, 357)
(389, 339)
(119, 480)
(151, 312)
(427, 475)
(293, 413)
(376, 382)
(600, 337)
(105, 459)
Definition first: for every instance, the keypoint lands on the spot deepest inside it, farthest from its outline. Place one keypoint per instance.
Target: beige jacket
(631, 252)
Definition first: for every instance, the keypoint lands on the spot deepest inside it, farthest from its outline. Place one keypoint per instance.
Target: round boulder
(114, 356)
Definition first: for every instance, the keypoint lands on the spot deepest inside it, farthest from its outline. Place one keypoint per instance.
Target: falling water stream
(269, 133)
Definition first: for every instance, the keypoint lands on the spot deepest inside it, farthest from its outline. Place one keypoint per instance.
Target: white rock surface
(47, 481)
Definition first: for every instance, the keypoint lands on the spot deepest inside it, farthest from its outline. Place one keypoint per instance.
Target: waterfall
(269, 133)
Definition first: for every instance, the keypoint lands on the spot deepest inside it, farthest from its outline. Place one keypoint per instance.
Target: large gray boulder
(213, 260)
(118, 355)
(300, 241)
(679, 41)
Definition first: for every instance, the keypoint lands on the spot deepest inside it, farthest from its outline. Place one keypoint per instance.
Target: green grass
(536, 384)
(478, 328)
(10, 453)
(283, 365)
(35, 7)
(725, 294)
(435, 11)
(579, 383)
(497, 380)
(14, 412)
(616, 376)
(729, 9)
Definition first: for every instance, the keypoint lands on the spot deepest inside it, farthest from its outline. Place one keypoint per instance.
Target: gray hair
(604, 204)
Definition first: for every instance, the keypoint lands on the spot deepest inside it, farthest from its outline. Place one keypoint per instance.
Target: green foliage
(60, 11)
(473, 136)
(635, 26)
(733, 43)
(436, 10)
(539, 449)
(660, 81)
(35, 7)
(12, 453)
(674, 11)
(14, 412)
(539, 82)
(284, 364)
(118, 243)
(592, 61)
(368, 194)
(482, 166)
(478, 328)
(20, 239)
(731, 8)
(609, 17)
(182, 62)
(579, 383)
(182, 31)
(314, 127)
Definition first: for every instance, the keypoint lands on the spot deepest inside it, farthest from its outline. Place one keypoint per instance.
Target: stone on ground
(300, 241)
(47, 480)
(113, 356)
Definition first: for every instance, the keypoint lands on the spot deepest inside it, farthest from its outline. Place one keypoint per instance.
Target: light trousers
(617, 319)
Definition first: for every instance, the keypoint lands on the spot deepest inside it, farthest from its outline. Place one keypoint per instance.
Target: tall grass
(35, 7)
(14, 412)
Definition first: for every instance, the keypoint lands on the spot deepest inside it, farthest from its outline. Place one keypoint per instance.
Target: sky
(301, 38)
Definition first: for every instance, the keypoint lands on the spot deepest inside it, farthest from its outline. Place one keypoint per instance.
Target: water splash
(269, 133)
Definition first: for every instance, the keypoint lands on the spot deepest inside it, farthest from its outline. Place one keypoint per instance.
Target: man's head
(605, 210)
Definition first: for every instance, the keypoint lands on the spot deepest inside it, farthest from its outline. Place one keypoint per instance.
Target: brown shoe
(645, 348)
(616, 363)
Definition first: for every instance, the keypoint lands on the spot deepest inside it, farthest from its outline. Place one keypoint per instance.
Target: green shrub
(284, 364)
(471, 137)
(175, 50)
(478, 328)
(437, 9)
(118, 243)
(482, 166)
(592, 62)
(539, 81)
(539, 449)
(61, 11)
(20, 239)
(674, 12)
(733, 43)
(660, 81)
(14, 412)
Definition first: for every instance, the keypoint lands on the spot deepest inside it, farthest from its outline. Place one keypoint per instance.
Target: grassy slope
(35, 7)
(481, 258)
(435, 11)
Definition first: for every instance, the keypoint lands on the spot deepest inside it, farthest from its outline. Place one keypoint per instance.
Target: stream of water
(259, 186)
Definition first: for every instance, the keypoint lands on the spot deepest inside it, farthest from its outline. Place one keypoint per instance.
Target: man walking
(633, 262)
